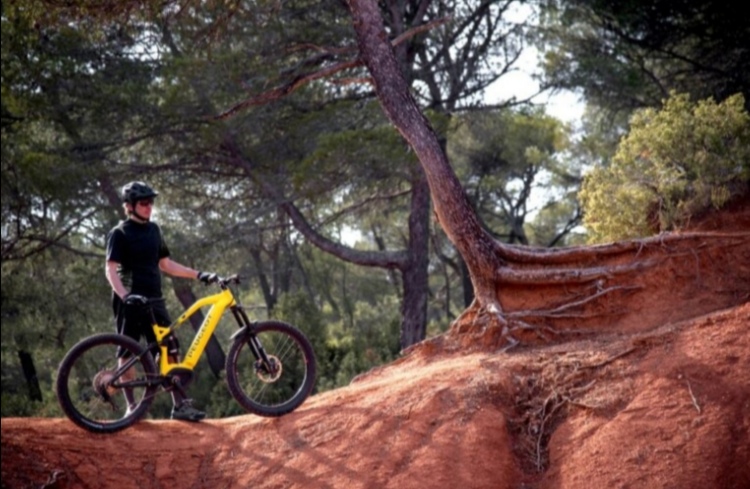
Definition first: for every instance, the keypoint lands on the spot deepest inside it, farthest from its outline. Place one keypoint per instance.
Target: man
(136, 256)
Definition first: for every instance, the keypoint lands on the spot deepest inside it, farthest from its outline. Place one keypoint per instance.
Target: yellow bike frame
(219, 303)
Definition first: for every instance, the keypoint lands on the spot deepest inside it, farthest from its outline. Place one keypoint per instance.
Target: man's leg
(173, 355)
(128, 391)
(124, 323)
(182, 407)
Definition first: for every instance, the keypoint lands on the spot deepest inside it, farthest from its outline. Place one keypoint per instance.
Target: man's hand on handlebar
(207, 278)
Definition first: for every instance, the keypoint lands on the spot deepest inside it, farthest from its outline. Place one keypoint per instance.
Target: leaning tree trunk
(548, 292)
(451, 204)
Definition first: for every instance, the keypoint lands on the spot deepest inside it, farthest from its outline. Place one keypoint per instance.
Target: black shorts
(135, 322)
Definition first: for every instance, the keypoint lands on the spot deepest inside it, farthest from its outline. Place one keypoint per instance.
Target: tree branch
(301, 80)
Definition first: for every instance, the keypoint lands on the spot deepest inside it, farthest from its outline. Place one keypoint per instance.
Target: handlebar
(224, 282)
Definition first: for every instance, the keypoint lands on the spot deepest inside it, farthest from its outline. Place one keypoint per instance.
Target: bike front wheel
(271, 369)
(91, 383)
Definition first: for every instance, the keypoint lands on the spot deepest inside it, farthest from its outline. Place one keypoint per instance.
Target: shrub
(674, 163)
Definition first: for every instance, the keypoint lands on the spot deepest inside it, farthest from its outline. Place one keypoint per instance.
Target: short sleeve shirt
(137, 248)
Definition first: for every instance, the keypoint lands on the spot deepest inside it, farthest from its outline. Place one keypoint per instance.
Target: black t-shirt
(138, 247)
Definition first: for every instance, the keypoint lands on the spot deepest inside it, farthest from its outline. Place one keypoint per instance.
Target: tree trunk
(29, 373)
(414, 272)
(452, 207)
(466, 283)
(268, 296)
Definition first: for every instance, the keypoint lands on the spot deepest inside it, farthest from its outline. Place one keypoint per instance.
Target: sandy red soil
(658, 398)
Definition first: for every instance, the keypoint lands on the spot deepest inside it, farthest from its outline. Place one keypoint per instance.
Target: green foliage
(14, 404)
(507, 159)
(343, 348)
(49, 302)
(219, 402)
(674, 163)
(67, 98)
(625, 55)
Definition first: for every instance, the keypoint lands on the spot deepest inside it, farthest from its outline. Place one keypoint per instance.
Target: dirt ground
(656, 398)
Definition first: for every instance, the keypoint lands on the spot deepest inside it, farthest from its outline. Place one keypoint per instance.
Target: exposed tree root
(489, 315)
(543, 399)
(541, 294)
(485, 318)
(692, 397)
(551, 256)
(570, 276)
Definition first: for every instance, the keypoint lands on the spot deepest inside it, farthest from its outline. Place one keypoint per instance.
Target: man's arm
(114, 279)
(171, 267)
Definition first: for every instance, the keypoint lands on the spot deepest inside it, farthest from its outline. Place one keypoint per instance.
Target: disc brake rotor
(266, 375)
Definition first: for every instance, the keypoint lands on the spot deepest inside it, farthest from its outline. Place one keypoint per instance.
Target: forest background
(259, 126)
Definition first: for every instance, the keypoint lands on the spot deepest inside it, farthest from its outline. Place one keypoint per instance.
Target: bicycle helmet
(134, 191)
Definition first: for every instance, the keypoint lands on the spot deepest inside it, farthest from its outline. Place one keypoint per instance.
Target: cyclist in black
(136, 256)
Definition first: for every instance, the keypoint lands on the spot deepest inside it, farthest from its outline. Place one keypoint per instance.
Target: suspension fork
(252, 340)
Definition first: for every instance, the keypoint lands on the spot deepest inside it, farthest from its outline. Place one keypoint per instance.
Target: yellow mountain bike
(270, 367)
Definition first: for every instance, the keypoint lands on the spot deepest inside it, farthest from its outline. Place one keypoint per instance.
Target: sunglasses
(145, 202)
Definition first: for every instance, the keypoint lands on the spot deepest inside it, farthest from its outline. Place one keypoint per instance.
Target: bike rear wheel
(89, 387)
(275, 389)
